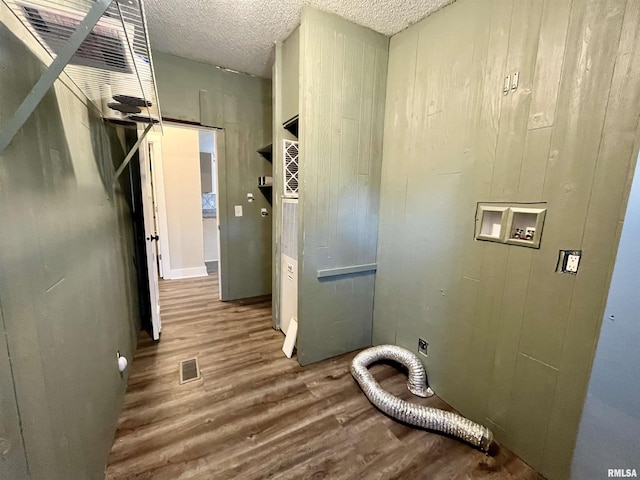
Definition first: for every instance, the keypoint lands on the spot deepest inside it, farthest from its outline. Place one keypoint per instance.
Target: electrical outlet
(569, 261)
(572, 263)
(422, 346)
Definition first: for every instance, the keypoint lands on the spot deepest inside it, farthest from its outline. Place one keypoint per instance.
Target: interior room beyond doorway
(186, 201)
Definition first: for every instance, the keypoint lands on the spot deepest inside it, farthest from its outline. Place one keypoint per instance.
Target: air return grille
(290, 228)
(189, 370)
(291, 163)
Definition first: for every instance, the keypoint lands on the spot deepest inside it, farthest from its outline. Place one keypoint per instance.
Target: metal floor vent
(189, 370)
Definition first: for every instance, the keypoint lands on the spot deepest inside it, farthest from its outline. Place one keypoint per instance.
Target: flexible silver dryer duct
(411, 413)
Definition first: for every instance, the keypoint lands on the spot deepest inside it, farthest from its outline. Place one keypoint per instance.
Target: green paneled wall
(290, 76)
(241, 106)
(510, 340)
(68, 293)
(13, 463)
(610, 424)
(342, 90)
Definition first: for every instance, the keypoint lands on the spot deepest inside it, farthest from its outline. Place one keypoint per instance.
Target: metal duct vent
(291, 165)
(290, 228)
(429, 418)
(189, 370)
(105, 48)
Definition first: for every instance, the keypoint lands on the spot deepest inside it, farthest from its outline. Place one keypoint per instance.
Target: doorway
(209, 189)
(184, 210)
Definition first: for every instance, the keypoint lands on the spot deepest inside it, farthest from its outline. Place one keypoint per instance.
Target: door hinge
(507, 85)
(514, 80)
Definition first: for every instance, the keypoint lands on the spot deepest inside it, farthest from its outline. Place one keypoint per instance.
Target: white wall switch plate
(238, 210)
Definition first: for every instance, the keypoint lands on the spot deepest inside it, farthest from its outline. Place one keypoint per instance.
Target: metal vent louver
(291, 166)
(290, 228)
(189, 370)
(114, 59)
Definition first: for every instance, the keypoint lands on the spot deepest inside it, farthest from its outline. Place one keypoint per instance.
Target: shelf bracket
(133, 150)
(46, 81)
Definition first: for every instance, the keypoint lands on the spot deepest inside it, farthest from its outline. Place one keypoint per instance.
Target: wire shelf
(113, 61)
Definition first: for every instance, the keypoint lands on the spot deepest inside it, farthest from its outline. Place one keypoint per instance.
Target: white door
(151, 236)
(289, 295)
(289, 261)
(159, 204)
(156, 219)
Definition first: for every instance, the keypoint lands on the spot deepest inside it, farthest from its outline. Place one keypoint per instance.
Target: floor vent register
(189, 371)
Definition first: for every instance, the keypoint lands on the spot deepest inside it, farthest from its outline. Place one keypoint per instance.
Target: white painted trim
(218, 153)
(189, 272)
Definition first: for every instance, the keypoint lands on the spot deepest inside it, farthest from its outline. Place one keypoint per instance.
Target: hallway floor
(256, 414)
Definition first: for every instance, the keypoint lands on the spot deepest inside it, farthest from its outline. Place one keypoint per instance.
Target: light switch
(238, 210)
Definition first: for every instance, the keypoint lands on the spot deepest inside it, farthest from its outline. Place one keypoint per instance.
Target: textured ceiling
(239, 34)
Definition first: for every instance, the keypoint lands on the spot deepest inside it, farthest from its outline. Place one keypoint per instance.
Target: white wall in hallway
(181, 162)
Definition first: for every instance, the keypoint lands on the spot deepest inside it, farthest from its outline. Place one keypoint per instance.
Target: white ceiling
(239, 34)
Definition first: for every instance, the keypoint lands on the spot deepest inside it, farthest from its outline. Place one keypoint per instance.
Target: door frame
(221, 211)
(221, 203)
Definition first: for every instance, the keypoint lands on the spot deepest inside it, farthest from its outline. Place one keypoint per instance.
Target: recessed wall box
(524, 226)
(512, 223)
(491, 222)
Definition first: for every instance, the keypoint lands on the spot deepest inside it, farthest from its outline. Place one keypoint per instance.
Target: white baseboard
(189, 272)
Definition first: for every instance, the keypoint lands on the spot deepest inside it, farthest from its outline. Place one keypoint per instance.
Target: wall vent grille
(290, 228)
(291, 168)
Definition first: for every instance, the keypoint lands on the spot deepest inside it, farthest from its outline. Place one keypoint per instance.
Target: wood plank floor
(256, 414)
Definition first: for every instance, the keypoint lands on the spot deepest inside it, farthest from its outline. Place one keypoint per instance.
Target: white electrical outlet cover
(572, 263)
(238, 210)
